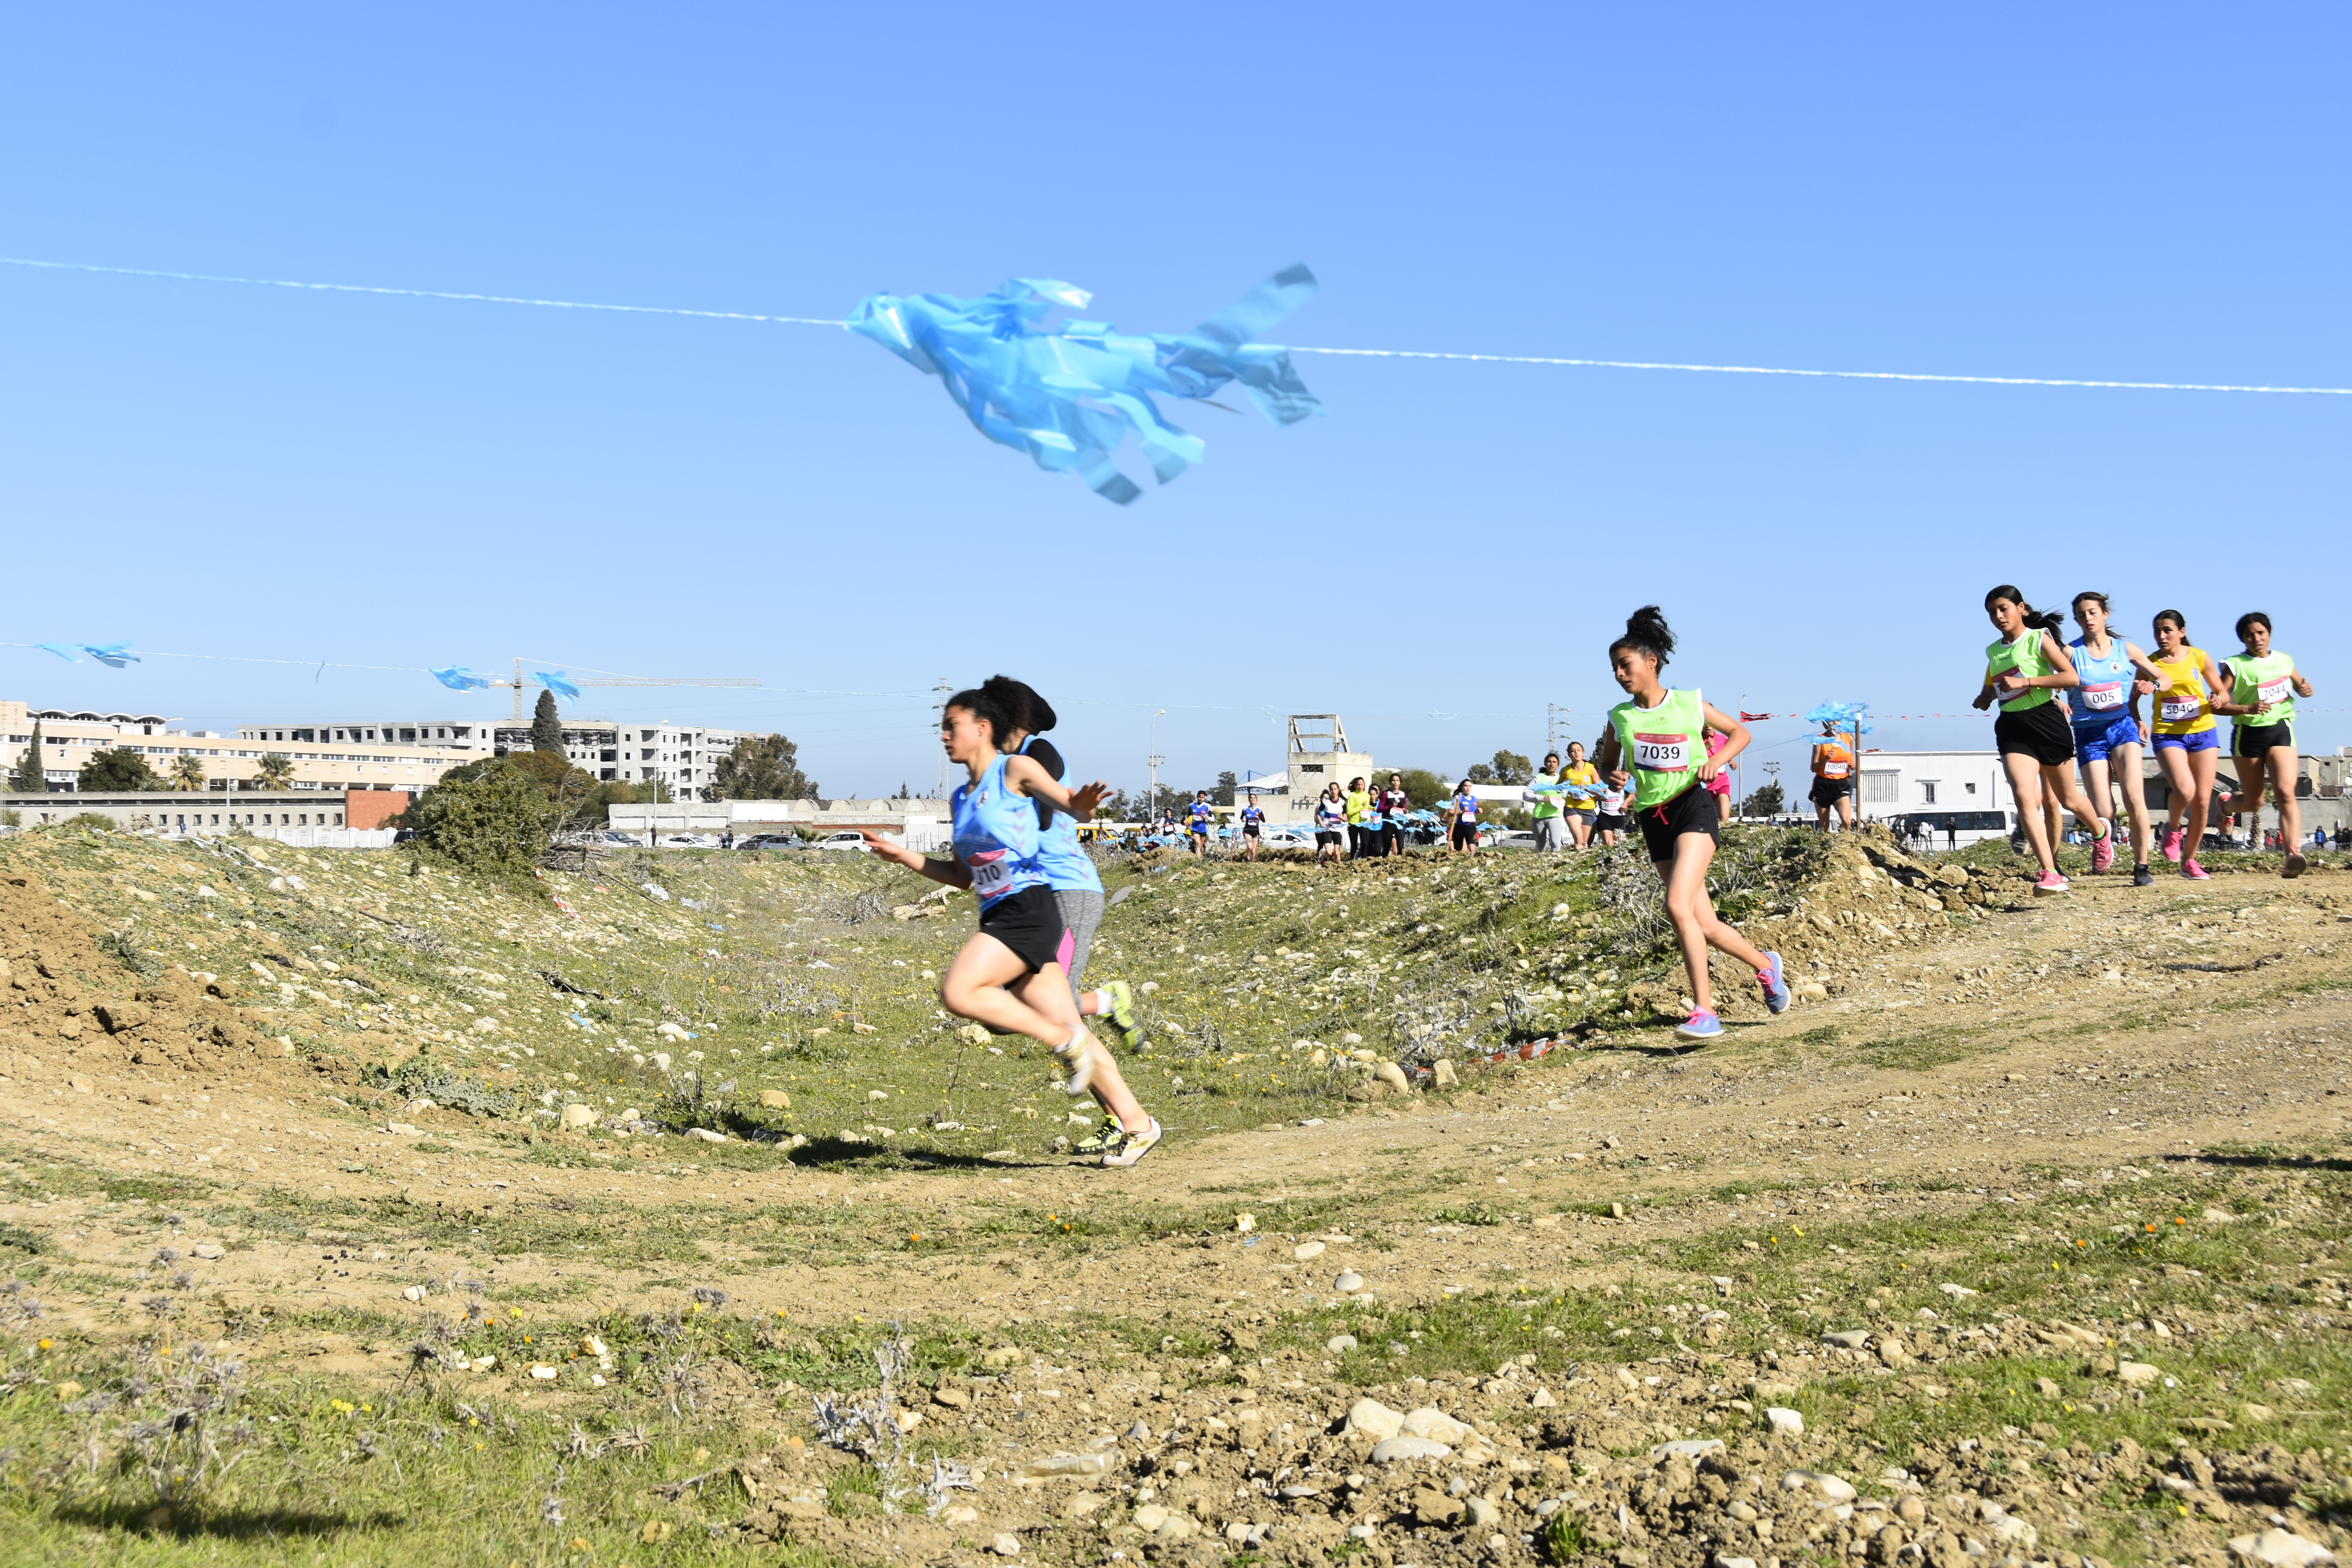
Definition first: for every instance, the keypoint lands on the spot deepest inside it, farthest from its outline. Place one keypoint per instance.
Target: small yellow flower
(45, 1344)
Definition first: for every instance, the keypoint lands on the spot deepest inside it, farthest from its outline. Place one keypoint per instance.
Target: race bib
(2274, 692)
(1835, 770)
(2105, 697)
(2181, 710)
(992, 875)
(1661, 754)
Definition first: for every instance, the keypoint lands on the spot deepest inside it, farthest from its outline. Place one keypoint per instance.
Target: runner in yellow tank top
(1658, 743)
(2188, 746)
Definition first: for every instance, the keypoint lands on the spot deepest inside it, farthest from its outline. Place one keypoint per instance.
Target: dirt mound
(75, 1006)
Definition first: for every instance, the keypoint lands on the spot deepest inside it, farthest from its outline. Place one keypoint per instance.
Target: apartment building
(70, 738)
(467, 735)
(683, 755)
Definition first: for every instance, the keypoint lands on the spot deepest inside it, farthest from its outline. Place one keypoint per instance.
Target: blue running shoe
(1702, 1025)
(1775, 983)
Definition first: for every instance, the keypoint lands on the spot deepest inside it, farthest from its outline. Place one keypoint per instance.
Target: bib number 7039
(1662, 753)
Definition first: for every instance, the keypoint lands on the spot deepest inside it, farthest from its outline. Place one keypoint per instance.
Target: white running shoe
(1081, 1062)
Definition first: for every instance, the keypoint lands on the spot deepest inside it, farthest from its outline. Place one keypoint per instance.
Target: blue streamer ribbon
(556, 683)
(457, 677)
(1068, 394)
(113, 655)
(1845, 715)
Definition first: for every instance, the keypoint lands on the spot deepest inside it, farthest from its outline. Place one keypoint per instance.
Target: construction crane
(522, 707)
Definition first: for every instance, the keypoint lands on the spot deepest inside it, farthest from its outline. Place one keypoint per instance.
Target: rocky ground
(2016, 1239)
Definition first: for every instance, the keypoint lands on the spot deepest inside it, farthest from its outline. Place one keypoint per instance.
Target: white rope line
(1353, 353)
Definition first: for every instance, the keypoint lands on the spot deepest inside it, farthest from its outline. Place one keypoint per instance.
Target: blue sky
(2131, 193)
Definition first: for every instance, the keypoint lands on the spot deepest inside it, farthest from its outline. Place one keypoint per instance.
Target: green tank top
(2027, 657)
(1546, 804)
(2268, 678)
(1664, 745)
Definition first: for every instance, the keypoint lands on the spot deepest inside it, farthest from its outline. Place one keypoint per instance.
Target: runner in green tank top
(2025, 668)
(1658, 741)
(2264, 684)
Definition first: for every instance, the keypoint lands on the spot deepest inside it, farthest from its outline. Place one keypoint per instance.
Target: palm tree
(275, 770)
(187, 774)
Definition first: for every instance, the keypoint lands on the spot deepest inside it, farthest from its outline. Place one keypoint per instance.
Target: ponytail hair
(2177, 619)
(988, 706)
(2035, 620)
(1030, 712)
(1646, 632)
(2251, 618)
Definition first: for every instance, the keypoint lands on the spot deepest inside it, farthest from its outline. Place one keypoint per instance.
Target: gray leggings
(1082, 911)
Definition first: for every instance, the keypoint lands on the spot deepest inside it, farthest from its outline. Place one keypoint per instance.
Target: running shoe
(2052, 883)
(2296, 864)
(1702, 1025)
(1080, 1059)
(2103, 852)
(2143, 877)
(2172, 844)
(1775, 983)
(2193, 872)
(1103, 1139)
(1133, 1146)
(1122, 1015)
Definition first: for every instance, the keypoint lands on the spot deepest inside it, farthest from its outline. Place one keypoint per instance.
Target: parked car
(847, 838)
(769, 841)
(618, 839)
(689, 841)
(1287, 838)
(1506, 838)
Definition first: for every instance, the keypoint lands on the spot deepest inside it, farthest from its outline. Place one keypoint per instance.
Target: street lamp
(1153, 758)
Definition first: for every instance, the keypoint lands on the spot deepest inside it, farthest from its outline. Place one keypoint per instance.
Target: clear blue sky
(2138, 193)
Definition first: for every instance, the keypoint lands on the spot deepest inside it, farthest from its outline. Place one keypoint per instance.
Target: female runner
(2263, 686)
(2106, 726)
(1579, 784)
(2187, 744)
(2025, 666)
(1009, 976)
(1832, 767)
(1663, 735)
(1462, 819)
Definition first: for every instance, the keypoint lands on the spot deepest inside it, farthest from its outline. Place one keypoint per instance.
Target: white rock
(1393, 1076)
(1307, 1249)
(1543, 1400)
(1081, 1465)
(1434, 1424)
(706, 1135)
(1349, 1283)
(1835, 1487)
(2137, 1372)
(1245, 1222)
(1150, 1517)
(1339, 1344)
(2280, 1549)
(1374, 1419)
(1956, 1293)
(1005, 1545)
(1721, 1561)
(577, 1116)
(400, 1129)
(1688, 1448)
(2012, 1531)
(661, 1060)
(544, 1373)
(1443, 1075)
(1850, 1339)
(1390, 1450)
(1785, 1422)
(414, 1293)
(209, 1249)
(959, 1514)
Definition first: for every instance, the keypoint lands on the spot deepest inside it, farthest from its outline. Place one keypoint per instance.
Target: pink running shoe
(2193, 872)
(2102, 851)
(2052, 883)
(2172, 844)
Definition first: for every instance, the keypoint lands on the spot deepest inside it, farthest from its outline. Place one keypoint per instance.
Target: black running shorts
(1693, 811)
(1466, 833)
(1829, 791)
(1029, 922)
(2042, 734)
(2255, 740)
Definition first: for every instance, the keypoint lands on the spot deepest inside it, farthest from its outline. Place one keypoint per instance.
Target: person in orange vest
(1832, 778)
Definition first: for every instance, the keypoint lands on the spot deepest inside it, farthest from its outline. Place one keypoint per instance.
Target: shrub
(90, 821)
(486, 817)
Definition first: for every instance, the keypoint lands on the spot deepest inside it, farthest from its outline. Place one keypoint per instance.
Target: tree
(187, 773)
(1766, 801)
(761, 767)
(1509, 767)
(275, 770)
(1424, 788)
(487, 817)
(117, 768)
(30, 776)
(1224, 793)
(546, 726)
(1480, 773)
(1119, 807)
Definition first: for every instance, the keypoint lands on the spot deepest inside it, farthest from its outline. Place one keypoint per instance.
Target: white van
(1953, 830)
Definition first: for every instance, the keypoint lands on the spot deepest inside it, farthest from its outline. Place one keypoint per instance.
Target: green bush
(485, 817)
(90, 821)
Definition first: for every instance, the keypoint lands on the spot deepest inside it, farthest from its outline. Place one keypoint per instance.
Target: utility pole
(1555, 724)
(939, 718)
(1772, 769)
(1153, 758)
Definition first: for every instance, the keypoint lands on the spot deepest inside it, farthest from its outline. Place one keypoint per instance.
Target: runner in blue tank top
(2107, 738)
(1009, 976)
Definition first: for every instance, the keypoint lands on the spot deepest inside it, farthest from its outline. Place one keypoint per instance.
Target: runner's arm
(1025, 778)
(1735, 741)
(951, 871)
(1606, 757)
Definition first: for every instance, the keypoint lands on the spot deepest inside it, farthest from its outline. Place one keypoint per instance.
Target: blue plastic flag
(60, 650)
(1845, 715)
(457, 677)
(114, 655)
(557, 683)
(1068, 394)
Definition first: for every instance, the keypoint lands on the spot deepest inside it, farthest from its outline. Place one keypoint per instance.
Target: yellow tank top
(2182, 708)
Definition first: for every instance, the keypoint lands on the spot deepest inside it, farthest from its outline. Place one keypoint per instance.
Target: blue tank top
(2106, 693)
(996, 837)
(1068, 868)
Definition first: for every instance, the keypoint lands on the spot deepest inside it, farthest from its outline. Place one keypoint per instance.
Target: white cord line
(1850, 374)
(1353, 353)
